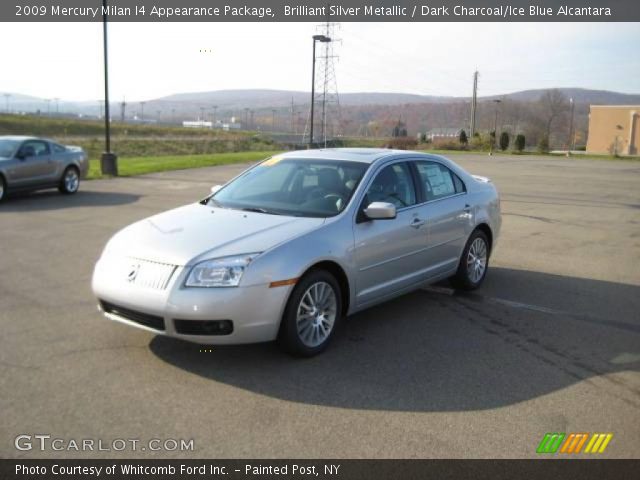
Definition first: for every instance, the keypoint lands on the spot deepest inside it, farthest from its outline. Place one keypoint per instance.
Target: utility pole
(474, 99)
(214, 119)
(57, 100)
(48, 102)
(273, 120)
(6, 101)
(100, 103)
(495, 127)
(246, 118)
(173, 115)
(123, 106)
(570, 140)
(202, 114)
(142, 111)
(108, 160)
(291, 126)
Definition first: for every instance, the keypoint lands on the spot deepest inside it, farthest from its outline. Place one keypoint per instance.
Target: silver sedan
(30, 163)
(289, 248)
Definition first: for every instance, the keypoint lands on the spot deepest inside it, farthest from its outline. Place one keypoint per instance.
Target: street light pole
(570, 142)
(316, 38)
(108, 161)
(495, 127)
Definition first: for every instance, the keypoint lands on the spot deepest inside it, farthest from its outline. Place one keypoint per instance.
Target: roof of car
(364, 155)
(18, 137)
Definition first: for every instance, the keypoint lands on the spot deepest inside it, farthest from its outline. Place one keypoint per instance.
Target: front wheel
(70, 181)
(3, 188)
(473, 263)
(311, 315)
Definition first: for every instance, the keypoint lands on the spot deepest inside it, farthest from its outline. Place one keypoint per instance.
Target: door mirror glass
(380, 211)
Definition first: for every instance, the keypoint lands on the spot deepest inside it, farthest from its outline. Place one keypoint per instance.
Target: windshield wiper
(259, 210)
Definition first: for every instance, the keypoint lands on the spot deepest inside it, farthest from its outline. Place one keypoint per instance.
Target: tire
(70, 181)
(307, 324)
(474, 263)
(3, 188)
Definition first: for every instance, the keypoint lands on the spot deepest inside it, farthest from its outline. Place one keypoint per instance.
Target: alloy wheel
(477, 260)
(316, 314)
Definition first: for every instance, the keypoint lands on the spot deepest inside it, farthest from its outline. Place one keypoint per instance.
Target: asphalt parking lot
(550, 343)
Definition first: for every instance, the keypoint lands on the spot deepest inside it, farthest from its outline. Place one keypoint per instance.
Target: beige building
(614, 129)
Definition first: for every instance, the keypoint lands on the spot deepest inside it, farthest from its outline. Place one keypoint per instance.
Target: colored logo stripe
(598, 442)
(550, 443)
(574, 442)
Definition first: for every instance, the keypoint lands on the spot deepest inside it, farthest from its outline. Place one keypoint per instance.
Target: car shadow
(433, 350)
(53, 200)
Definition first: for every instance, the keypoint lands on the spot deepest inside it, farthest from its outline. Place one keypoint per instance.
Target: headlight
(219, 272)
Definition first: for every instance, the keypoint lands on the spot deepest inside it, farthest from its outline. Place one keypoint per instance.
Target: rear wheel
(311, 315)
(70, 181)
(3, 188)
(473, 263)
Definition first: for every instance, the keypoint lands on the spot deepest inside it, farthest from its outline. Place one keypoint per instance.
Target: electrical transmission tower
(326, 100)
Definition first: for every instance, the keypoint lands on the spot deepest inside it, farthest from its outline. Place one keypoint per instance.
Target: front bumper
(255, 311)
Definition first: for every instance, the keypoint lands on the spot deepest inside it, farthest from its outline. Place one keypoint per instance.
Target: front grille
(139, 272)
(151, 321)
(150, 274)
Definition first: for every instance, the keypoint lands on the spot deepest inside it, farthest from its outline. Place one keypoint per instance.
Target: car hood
(196, 232)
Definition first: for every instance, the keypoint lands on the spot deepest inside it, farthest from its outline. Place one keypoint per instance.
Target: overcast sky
(149, 60)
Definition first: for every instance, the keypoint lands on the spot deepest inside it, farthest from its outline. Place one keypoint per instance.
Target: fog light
(204, 327)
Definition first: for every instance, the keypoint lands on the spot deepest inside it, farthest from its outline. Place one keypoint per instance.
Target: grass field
(141, 165)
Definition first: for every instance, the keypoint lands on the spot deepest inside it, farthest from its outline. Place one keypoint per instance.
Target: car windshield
(8, 147)
(290, 186)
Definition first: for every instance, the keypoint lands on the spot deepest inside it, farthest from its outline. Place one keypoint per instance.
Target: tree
(463, 138)
(520, 142)
(504, 141)
(543, 144)
(553, 103)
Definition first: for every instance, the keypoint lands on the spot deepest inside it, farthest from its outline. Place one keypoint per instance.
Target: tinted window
(393, 184)
(438, 181)
(35, 147)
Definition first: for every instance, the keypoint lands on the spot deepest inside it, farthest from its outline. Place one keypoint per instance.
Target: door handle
(417, 223)
(467, 208)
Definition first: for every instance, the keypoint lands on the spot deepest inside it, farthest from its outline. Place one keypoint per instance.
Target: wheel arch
(338, 272)
(486, 229)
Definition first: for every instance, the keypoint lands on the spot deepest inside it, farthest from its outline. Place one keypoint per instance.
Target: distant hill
(256, 99)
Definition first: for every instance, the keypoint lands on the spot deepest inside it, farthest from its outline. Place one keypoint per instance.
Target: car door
(35, 165)
(447, 213)
(389, 252)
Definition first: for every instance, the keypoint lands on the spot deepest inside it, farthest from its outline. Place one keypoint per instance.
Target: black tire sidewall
(288, 338)
(461, 279)
(63, 187)
(3, 184)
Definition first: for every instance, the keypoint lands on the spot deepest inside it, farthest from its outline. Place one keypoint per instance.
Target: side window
(58, 148)
(393, 184)
(438, 181)
(35, 148)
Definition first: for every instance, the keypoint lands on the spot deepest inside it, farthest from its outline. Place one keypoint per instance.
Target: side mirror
(215, 189)
(380, 211)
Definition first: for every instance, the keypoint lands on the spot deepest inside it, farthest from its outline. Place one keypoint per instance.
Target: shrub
(520, 142)
(401, 143)
(543, 144)
(504, 141)
(463, 138)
